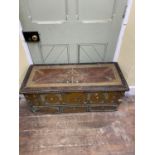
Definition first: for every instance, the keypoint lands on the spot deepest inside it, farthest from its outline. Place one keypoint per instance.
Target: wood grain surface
(74, 78)
(74, 75)
(100, 133)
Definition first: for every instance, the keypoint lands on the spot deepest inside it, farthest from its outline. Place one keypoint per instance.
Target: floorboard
(100, 133)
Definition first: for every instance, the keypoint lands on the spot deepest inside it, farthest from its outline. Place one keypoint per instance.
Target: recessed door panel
(96, 10)
(55, 53)
(47, 11)
(92, 52)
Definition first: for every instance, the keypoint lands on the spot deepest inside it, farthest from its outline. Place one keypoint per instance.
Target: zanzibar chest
(74, 87)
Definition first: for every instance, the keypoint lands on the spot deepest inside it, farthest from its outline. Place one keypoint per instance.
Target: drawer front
(75, 98)
(66, 102)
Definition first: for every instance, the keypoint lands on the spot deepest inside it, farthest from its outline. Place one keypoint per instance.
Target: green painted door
(73, 31)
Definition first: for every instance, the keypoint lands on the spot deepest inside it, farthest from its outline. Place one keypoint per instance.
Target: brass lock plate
(31, 36)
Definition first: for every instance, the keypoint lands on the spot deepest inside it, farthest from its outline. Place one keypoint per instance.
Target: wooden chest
(74, 87)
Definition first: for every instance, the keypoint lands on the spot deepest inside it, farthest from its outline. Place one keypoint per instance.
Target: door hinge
(31, 36)
(124, 12)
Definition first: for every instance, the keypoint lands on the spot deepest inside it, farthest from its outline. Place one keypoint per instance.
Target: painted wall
(23, 62)
(126, 57)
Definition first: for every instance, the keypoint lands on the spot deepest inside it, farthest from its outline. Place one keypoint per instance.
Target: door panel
(96, 10)
(84, 28)
(55, 53)
(92, 52)
(47, 11)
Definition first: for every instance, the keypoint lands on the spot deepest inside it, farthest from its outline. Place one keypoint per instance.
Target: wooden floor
(101, 133)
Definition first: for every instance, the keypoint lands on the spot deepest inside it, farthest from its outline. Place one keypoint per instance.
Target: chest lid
(74, 77)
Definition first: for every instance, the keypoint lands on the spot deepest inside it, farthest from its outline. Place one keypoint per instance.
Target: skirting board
(131, 92)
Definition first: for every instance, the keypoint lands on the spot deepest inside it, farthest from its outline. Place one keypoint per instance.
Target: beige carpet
(101, 133)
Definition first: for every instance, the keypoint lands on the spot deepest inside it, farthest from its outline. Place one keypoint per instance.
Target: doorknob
(31, 36)
(34, 37)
